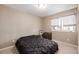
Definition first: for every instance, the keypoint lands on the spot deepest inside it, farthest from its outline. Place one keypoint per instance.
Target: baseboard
(69, 44)
(6, 48)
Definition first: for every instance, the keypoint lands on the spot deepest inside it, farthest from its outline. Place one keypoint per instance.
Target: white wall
(15, 24)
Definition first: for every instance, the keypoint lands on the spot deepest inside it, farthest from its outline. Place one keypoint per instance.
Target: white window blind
(55, 22)
(68, 20)
(67, 23)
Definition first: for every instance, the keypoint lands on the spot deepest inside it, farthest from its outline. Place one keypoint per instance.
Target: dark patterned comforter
(35, 44)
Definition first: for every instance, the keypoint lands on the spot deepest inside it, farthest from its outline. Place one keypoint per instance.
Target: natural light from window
(66, 24)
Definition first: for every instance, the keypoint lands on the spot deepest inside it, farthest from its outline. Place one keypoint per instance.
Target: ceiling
(49, 10)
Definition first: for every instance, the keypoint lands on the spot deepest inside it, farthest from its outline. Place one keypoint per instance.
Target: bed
(35, 44)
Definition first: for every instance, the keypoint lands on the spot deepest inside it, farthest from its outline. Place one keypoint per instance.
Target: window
(67, 23)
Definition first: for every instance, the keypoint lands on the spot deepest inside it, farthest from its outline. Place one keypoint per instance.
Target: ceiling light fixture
(41, 6)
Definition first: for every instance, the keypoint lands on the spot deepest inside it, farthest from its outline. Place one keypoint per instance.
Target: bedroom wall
(68, 37)
(15, 24)
(78, 25)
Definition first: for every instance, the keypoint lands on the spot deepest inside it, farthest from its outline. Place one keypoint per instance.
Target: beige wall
(78, 26)
(15, 24)
(69, 37)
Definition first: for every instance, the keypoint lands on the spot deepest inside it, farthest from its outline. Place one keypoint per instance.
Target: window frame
(61, 24)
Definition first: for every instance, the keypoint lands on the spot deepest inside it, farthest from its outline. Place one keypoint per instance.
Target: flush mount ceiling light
(41, 6)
